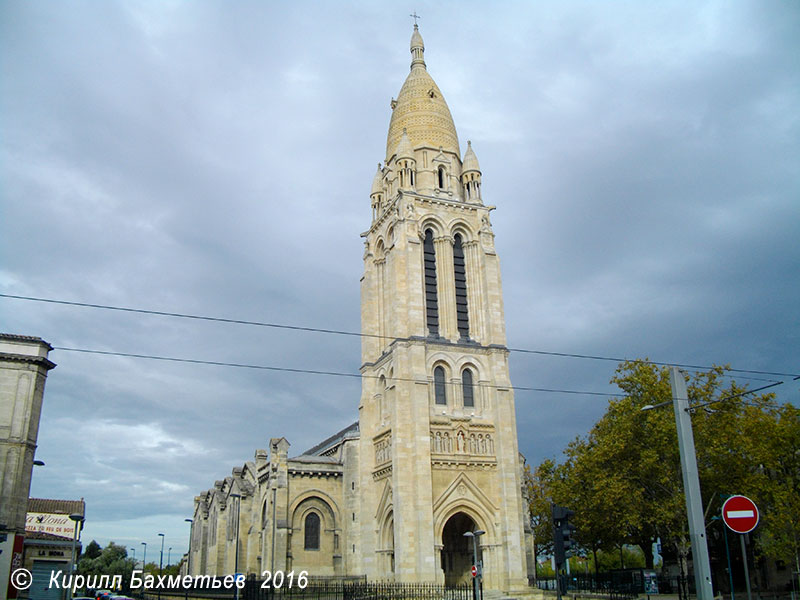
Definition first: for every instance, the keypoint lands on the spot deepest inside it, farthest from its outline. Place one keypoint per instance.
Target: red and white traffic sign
(474, 571)
(740, 514)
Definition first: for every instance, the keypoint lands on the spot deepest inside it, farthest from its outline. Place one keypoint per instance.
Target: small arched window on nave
(311, 531)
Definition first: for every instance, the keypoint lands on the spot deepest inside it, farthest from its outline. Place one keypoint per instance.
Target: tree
(92, 550)
(113, 560)
(624, 481)
(539, 485)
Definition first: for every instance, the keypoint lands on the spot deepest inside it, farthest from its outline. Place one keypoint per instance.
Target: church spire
(421, 110)
(417, 48)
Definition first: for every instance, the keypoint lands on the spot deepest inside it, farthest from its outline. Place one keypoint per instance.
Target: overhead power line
(363, 376)
(313, 371)
(371, 335)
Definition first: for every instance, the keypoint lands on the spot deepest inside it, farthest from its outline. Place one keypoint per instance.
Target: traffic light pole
(562, 544)
(691, 486)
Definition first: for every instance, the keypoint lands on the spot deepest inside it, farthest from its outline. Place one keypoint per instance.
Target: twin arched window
(440, 387)
(431, 291)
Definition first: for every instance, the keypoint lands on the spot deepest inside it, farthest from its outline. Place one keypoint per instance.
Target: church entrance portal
(457, 550)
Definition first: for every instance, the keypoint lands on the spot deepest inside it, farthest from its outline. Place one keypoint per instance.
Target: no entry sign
(474, 571)
(740, 514)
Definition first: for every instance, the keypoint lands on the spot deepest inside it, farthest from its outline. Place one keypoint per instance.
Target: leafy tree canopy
(624, 480)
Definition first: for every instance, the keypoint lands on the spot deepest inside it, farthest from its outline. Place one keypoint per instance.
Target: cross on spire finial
(415, 16)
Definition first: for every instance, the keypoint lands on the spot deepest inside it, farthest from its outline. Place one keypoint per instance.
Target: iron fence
(325, 589)
(617, 586)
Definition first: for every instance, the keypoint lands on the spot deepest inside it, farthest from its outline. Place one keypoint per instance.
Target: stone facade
(434, 452)
(23, 371)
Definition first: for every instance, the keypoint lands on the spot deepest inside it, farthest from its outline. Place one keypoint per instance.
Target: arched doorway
(457, 549)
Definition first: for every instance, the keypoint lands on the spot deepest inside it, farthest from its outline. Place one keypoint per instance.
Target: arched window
(439, 389)
(441, 178)
(462, 312)
(312, 531)
(431, 298)
(467, 388)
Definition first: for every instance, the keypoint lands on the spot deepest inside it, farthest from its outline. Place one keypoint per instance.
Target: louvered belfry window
(431, 298)
(312, 531)
(462, 313)
(466, 388)
(438, 386)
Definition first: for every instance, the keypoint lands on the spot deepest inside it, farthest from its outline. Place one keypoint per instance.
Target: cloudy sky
(215, 158)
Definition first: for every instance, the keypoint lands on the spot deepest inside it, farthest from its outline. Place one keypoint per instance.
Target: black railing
(353, 588)
(615, 585)
(363, 590)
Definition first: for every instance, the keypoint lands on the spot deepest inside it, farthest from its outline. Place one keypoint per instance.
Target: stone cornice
(415, 339)
(34, 360)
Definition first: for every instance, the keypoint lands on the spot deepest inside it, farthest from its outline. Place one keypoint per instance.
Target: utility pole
(691, 486)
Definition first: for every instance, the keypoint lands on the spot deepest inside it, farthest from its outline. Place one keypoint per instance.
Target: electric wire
(315, 371)
(372, 335)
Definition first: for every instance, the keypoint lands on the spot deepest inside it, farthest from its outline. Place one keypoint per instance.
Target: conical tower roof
(404, 148)
(470, 162)
(420, 109)
(377, 182)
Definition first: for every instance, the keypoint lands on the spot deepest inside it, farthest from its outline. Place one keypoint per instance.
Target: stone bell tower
(438, 442)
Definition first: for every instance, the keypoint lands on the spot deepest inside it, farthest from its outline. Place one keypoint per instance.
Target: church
(434, 451)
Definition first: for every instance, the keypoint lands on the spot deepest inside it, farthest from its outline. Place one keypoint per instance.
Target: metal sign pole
(746, 568)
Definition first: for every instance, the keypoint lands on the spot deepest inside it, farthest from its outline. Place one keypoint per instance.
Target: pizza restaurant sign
(54, 524)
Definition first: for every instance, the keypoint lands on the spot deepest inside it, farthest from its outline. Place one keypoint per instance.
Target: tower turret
(471, 176)
(376, 194)
(406, 163)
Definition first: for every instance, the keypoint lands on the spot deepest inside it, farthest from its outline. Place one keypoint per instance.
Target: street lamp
(479, 575)
(236, 550)
(161, 559)
(189, 562)
(169, 556)
(134, 556)
(76, 518)
(144, 556)
(691, 483)
(38, 463)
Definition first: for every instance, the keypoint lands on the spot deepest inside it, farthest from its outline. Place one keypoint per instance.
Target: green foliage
(113, 560)
(539, 484)
(92, 550)
(624, 480)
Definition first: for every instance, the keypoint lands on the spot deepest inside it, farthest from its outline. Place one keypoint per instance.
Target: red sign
(740, 514)
(474, 571)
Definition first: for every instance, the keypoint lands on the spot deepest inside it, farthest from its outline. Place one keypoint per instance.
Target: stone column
(380, 268)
